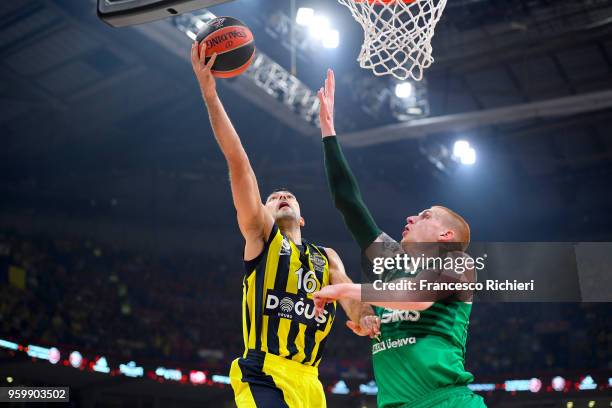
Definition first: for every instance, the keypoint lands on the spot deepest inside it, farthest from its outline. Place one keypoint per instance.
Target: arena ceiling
(103, 122)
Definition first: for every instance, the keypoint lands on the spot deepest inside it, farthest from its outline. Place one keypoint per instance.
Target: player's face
(427, 226)
(284, 206)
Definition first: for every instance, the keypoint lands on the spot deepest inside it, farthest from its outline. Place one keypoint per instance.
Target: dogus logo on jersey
(286, 305)
(294, 307)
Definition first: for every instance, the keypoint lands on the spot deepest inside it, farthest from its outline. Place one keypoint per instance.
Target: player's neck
(291, 231)
(421, 249)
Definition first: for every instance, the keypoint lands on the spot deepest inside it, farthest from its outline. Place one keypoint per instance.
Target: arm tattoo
(383, 247)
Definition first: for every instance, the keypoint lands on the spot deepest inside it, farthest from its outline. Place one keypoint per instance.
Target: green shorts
(452, 397)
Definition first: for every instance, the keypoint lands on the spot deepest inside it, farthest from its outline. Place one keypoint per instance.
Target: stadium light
(460, 148)
(403, 90)
(464, 153)
(304, 16)
(318, 27)
(469, 157)
(331, 39)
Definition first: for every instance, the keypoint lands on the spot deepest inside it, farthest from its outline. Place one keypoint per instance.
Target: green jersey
(420, 353)
(418, 360)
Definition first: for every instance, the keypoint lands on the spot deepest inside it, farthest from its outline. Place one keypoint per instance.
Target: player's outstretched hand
(202, 69)
(368, 326)
(326, 105)
(326, 295)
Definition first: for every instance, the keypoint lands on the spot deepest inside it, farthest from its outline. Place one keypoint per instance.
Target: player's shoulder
(332, 255)
(460, 265)
(319, 252)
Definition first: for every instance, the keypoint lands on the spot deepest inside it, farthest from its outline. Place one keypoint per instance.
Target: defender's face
(427, 226)
(283, 205)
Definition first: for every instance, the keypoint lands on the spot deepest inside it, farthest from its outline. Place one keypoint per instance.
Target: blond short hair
(459, 226)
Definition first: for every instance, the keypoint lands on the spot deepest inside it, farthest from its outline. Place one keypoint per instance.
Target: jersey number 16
(306, 281)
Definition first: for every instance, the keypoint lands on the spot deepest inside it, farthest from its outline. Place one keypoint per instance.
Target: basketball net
(397, 35)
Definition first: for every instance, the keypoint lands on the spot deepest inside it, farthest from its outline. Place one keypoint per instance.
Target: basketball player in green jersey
(283, 339)
(419, 357)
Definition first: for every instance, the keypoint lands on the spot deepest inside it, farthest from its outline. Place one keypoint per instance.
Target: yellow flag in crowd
(17, 277)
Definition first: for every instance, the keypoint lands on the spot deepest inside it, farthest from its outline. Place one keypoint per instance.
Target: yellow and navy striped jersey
(277, 307)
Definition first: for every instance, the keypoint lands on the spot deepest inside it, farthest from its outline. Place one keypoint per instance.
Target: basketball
(233, 42)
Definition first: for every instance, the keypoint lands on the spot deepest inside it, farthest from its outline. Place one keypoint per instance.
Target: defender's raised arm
(342, 183)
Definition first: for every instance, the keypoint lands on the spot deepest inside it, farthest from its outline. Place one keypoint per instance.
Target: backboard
(122, 13)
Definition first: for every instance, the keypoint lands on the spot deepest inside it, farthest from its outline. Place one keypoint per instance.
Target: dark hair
(278, 190)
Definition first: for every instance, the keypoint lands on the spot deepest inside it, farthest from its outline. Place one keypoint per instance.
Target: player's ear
(447, 236)
(302, 222)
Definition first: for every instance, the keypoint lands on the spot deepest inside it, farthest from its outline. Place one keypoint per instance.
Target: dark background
(106, 144)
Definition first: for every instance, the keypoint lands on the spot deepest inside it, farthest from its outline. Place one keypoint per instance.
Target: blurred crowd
(186, 309)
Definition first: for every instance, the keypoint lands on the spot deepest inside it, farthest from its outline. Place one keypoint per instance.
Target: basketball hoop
(397, 35)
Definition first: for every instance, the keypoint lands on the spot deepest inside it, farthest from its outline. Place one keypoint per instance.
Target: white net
(398, 35)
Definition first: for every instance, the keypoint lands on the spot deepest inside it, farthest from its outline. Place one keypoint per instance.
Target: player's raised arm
(342, 183)
(254, 221)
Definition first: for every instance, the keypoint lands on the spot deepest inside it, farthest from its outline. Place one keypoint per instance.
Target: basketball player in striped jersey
(418, 359)
(283, 339)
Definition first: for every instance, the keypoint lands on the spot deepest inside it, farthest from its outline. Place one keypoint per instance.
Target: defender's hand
(202, 69)
(326, 102)
(368, 326)
(326, 295)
